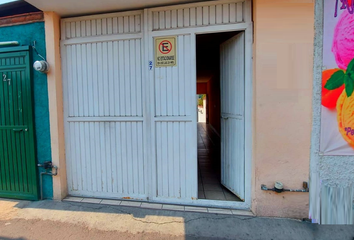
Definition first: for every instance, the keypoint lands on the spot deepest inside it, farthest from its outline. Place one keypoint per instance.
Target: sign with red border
(165, 52)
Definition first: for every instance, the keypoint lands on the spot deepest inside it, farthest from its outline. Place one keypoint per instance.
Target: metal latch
(19, 129)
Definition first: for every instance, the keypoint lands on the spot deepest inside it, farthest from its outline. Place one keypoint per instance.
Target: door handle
(19, 130)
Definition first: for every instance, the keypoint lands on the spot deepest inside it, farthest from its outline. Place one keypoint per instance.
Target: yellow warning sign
(165, 52)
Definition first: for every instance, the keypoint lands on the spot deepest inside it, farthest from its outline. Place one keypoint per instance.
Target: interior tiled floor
(209, 186)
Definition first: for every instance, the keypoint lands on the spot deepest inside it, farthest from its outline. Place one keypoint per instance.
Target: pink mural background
(337, 117)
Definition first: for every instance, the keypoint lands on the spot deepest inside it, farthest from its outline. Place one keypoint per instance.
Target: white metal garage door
(130, 129)
(175, 132)
(175, 90)
(102, 80)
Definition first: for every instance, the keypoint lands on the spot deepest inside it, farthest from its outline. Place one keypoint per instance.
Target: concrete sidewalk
(68, 220)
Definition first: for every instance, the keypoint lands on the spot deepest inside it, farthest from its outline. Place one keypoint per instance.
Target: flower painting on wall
(337, 115)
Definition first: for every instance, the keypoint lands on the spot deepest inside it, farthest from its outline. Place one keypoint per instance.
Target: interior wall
(214, 103)
(283, 62)
(208, 71)
(202, 88)
(212, 89)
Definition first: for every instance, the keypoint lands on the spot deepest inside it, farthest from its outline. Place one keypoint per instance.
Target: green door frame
(19, 181)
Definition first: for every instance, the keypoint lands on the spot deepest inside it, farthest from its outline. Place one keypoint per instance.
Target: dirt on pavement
(19, 229)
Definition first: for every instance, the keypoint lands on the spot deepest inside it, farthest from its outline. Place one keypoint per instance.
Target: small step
(158, 206)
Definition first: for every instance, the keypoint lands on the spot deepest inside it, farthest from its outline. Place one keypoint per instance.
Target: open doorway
(215, 134)
(202, 108)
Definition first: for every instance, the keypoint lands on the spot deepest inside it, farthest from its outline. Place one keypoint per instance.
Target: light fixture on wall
(41, 65)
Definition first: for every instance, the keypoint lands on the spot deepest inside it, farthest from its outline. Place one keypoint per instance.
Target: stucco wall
(26, 34)
(334, 173)
(283, 61)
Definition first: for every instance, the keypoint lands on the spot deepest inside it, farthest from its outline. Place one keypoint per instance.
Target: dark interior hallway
(209, 186)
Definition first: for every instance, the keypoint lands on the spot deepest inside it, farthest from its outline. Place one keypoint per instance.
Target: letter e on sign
(165, 52)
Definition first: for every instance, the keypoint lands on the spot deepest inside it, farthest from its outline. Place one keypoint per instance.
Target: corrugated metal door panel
(98, 72)
(232, 81)
(100, 25)
(175, 126)
(106, 159)
(337, 203)
(172, 84)
(214, 14)
(104, 133)
(174, 160)
(18, 175)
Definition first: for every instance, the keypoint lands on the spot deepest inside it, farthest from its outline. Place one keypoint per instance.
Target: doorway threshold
(159, 206)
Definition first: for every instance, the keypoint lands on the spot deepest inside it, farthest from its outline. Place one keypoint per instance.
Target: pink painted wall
(283, 55)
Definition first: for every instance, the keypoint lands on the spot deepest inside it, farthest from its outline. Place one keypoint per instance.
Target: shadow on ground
(187, 225)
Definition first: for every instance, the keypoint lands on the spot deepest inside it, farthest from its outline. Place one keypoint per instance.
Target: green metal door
(18, 175)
